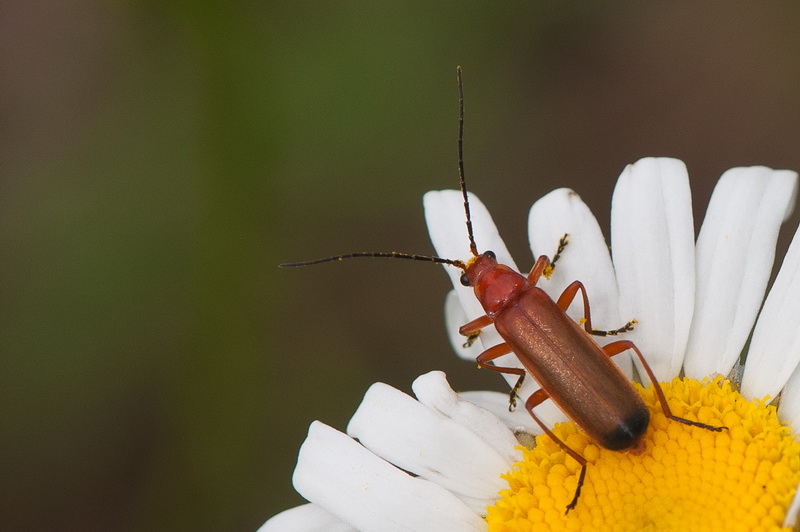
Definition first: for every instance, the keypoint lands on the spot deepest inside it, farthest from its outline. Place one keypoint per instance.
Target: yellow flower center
(688, 478)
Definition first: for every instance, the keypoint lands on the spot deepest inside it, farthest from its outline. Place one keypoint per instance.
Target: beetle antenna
(424, 258)
(378, 254)
(472, 246)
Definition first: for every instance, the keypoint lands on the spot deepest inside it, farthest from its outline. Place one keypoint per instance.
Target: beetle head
(496, 285)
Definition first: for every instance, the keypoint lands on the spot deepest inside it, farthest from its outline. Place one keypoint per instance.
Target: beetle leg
(471, 340)
(537, 398)
(614, 348)
(545, 266)
(539, 267)
(565, 300)
(628, 327)
(562, 243)
(496, 352)
(473, 328)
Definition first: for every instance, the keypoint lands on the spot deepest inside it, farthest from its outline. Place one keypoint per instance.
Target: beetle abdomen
(628, 432)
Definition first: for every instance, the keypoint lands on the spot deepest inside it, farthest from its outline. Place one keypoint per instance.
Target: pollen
(688, 478)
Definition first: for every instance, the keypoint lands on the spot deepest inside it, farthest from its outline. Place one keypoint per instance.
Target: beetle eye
(490, 254)
(464, 280)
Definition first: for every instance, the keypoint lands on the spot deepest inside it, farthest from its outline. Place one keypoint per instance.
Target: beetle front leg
(537, 398)
(565, 300)
(545, 266)
(615, 348)
(473, 328)
(496, 352)
(541, 265)
(562, 243)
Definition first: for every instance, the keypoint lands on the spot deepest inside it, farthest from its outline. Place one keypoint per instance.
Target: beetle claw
(471, 340)
(512, 401)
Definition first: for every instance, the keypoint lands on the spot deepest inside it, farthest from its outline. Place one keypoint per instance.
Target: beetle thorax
(496, 285)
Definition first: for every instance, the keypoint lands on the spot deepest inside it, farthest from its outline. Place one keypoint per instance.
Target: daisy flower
(448, 461)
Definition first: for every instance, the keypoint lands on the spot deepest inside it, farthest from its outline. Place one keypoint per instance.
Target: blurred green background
(159, 159)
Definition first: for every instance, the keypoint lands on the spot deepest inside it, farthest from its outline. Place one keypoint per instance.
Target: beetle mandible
(560, 354)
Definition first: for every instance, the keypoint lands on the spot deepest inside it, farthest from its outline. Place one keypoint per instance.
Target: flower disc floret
(742, 478)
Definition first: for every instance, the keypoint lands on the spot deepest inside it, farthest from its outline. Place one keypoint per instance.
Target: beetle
(570, 367)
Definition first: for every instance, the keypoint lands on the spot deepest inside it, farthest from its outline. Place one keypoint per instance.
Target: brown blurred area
(159, 159)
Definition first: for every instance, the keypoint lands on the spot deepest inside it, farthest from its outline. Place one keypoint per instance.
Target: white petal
(586, 258)
(433, 391)
(775, 348)
(454, 318)
(408, 434)
(444, 214)
(305, 518)
(735, 253)
(793, 511)
(789, 409)
(652, 238)
(336, 473)
(497, 404)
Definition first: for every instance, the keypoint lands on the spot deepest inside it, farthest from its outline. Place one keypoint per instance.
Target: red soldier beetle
(560, 354)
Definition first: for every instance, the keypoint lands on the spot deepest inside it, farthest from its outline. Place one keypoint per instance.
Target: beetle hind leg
(537, 398)
(614, 348)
